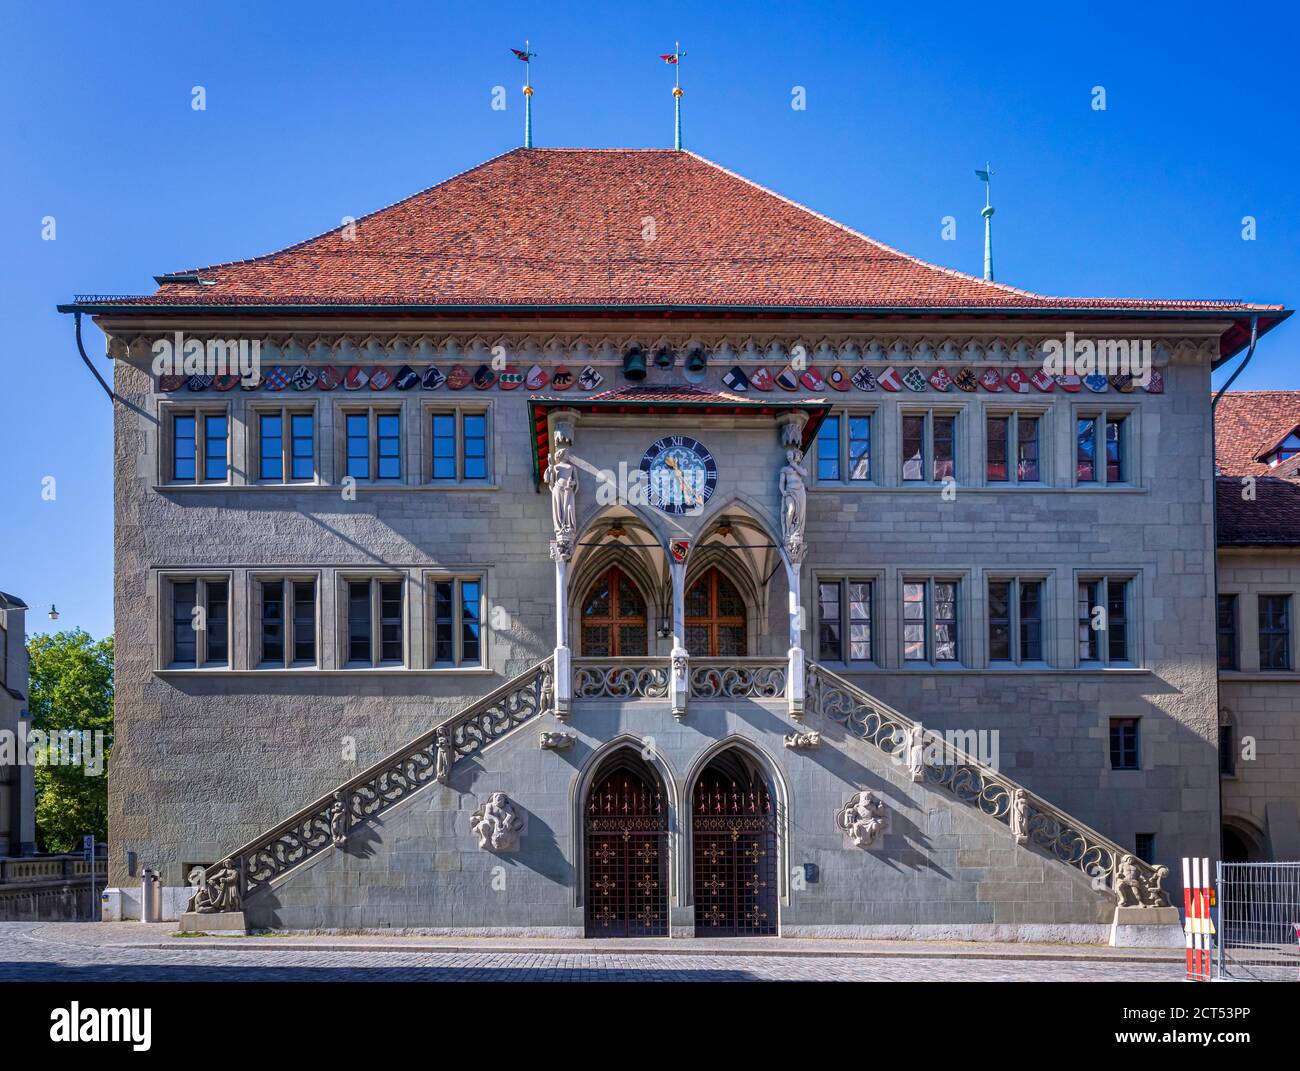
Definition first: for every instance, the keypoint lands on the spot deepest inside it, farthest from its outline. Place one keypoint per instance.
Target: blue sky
(321, 110)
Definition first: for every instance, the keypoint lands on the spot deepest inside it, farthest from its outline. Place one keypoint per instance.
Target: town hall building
(598, 543)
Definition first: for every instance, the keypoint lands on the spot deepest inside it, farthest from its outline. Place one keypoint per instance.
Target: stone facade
(208, 759)
(17, 780)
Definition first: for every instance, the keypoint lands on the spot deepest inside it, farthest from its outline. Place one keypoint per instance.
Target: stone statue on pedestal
(219, 892)
(794, 503)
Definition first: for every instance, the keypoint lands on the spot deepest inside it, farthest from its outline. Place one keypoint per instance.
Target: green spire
(675, 58)
(987, 213)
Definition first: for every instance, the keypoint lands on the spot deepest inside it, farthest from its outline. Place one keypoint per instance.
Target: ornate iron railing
(1031, 819)
(737, 678)
(425, 759)
(620, 678)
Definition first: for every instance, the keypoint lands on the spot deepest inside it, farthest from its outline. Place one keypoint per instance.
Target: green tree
(71, 688)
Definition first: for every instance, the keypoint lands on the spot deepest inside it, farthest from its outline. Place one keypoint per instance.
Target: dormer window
(1286, 450)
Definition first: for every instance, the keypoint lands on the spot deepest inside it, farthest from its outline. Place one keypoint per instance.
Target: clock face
(680, 474)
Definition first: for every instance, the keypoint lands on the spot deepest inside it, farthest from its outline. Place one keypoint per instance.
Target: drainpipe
(89, 364)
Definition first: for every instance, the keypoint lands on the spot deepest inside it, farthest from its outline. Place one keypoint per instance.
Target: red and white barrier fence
(1198, 925)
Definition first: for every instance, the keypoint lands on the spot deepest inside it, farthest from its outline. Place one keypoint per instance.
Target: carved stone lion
(554, 741)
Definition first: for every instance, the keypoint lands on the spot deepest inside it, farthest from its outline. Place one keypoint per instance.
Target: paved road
(38, 952)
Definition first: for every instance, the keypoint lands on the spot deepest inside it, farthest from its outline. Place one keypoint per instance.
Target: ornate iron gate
(734, 831)
(627, 858)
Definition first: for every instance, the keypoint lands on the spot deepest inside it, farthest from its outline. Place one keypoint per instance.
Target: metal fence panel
(1259, 922)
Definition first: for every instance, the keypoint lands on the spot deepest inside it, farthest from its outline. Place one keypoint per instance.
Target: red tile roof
(567, 228)
(1270, 518)
(1248, 424)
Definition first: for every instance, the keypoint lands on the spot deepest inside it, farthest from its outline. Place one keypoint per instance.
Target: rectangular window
(286, 448)
(1227, 631)
(828, 449)
(1227, 751)
(376, 622)
(288, 623)
(1144, 847)
(200, 623)
(1104, 610)
(214, 447)
(998, 437)
(1110, 429)
(4, 655)
(859, 447)
(200, 447)
(1124, 744)
(458, 446)
(930, 621)
(929, 446)
(1275, 632)
(457, 622)
(844, 620)
(374, 445)
(1015, 620)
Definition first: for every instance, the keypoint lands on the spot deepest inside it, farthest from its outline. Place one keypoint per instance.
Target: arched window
(715, 617)
(613, 617)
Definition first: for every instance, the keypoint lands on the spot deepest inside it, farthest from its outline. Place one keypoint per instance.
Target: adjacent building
(604, 544)
(1258, 447)
(17, 782)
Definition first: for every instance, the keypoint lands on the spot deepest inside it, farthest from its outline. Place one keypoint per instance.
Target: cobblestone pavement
(39, 952)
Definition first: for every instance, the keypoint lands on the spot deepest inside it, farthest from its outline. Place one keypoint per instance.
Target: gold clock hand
(687, 496)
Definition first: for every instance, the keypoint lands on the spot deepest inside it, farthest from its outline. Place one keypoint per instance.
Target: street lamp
(54, 613)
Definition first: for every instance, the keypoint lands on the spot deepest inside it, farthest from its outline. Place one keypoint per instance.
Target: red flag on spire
(670, 58)
(525, 56)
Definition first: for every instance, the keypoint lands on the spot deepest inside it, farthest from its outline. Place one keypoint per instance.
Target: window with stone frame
(1125, 744)
(1103, 447)
(375, 622)
(456, 620)
(1013, 447)
(198, 622)
(844, 619)
(457, 448)
(1226, 629)
(844, 448)
(612, 617)
(929, 446)
(286, 620)
(285, 443)
(1104, 613)
(930, 620)
(1274, 632)
(372, 438)
(196, 444)
(1015, 619)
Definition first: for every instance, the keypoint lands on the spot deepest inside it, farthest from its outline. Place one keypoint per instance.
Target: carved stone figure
(916, 753)
(497, 824)
(680, 664)
(803, 740)
(339, 822)
(1134, 888)
(863, 819)
(442, 745)
(562, 479)
(219, 892)
(794, 503)
(1020, 815)
(556, 741)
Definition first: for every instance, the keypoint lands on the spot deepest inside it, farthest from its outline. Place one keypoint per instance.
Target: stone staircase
(428, 759)
(1031, 820)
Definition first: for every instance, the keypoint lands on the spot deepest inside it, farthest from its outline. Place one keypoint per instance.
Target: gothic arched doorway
(733, 833)
(613, 620)
(715, 617)
(626, 833)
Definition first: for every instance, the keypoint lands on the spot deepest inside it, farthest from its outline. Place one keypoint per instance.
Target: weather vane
(675, 59)
(526, 55)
